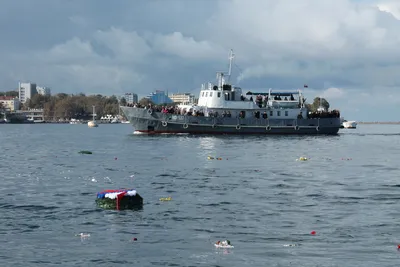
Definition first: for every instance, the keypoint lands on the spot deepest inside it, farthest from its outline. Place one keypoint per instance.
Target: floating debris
(165, 199)
(223, 244)
(302, 159)
(85, 152)
(119, 199)
(82, 235)
(290, 245)
(217, 158)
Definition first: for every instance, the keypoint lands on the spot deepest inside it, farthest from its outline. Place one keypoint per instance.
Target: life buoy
(317, 128)
(185, 126)
(238, 127)
(164, 123)
(268, 128)
(150, 111)
(296, 128)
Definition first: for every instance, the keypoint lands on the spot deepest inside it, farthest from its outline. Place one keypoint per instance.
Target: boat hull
(145, 121)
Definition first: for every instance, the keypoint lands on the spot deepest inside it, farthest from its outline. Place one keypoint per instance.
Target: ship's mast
(222, 74)
(231, 57)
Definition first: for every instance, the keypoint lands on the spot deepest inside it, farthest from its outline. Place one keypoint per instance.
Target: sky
(344, 50)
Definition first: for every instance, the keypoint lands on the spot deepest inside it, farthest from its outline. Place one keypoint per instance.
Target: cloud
(186, 47)
(139, 46)
(125, 45)
(333, 93)
(392, 7)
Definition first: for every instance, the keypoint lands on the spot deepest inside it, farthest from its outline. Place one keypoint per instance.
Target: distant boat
(350, 124)
(93, 122)
(75, 121)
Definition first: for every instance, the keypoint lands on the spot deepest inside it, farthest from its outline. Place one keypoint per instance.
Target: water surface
(258, 196)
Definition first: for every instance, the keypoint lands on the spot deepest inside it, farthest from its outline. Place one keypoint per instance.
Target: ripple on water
(260, 199)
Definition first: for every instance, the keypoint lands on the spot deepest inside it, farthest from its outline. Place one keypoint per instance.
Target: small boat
(350, 124)
(75, 121)
(93, 122)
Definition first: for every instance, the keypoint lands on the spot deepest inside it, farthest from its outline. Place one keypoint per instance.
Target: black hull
(145, 121)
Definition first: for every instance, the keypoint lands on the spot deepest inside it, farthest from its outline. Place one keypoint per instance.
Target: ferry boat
(225, 109)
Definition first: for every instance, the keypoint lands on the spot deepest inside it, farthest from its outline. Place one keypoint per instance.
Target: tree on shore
(79, 106)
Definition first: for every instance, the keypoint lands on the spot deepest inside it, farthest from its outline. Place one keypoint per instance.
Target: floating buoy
(85, 152)
(134, 239)
(165, 199)
(313, 233)
(115, 158)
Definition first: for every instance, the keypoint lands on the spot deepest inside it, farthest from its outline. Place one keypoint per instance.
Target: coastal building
(182, 98)
(36, 115)
(130, 98)
(10, 103)
(41, 90)
(159, 97)
(26, 91)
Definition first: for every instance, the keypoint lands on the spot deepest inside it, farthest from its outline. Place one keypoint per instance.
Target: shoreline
(379, 122)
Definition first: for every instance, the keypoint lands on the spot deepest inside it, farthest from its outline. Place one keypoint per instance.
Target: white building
(10, 103)
(43, 90)
(130, 98)
(26, 91)
(183, 98)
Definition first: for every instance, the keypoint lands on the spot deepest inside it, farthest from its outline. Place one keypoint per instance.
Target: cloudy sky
(345, 50)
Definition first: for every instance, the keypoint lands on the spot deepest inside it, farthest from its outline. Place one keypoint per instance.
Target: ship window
(219, 94)
(286, 113)
(271, 113)
(210, 94)
(206, 94)
(202, 94)
(278, 113)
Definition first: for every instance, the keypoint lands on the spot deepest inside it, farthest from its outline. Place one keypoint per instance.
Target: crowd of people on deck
(257, 114)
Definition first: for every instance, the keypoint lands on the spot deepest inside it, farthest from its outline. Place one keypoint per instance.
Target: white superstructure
(225, 98)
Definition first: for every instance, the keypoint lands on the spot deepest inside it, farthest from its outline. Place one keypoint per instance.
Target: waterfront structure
(159, 97)
(130, 98)
(10, 103)
(182, 98)
(26, 91)
(35, 115)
